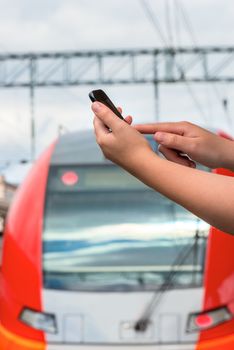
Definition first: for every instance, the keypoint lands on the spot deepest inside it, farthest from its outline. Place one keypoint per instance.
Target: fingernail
(96, 107)
(159, 136)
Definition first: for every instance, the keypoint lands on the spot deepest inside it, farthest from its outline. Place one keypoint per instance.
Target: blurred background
(89, 227)
(71, 26)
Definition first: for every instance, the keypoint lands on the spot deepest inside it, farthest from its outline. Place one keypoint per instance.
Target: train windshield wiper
(143, 322)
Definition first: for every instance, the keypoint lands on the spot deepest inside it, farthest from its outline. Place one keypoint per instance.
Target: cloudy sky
(59, 25)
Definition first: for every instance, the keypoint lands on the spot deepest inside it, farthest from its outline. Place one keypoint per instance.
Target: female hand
(176, 140)
(123, 145)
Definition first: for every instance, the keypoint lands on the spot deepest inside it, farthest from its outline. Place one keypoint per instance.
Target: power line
(168, 21)
(188, 25)
(187, 22)
(153, 19)
(177, 25)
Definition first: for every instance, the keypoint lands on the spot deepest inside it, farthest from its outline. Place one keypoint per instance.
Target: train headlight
(39, 320)
(208, 319)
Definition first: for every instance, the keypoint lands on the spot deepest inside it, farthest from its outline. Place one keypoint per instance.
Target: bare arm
(209, 196)
(199, 144)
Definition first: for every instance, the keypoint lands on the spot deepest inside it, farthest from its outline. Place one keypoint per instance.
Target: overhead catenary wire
(187, 21)
(181, 11)
(188, 25)
(153, 19)
(168, 21)
(177, 25)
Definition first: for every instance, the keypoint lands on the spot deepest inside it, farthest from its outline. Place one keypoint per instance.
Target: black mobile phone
(101, 96)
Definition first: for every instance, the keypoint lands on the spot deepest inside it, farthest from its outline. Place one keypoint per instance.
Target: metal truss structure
(143, 66)
(168, 65)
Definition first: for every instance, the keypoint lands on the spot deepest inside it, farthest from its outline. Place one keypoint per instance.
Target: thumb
(106, 115)
(178, 142)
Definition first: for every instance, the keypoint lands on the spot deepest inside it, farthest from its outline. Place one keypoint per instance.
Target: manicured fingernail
(159, 136)
(96, 107)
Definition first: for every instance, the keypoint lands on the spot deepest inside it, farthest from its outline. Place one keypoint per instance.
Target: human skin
(207, 195)
(199, 144)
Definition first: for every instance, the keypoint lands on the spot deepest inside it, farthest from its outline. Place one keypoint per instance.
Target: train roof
(80, 147)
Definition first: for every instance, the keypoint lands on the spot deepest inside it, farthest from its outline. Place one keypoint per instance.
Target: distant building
(7, 192)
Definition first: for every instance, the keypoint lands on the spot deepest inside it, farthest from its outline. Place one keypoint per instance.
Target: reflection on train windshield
(105, 230)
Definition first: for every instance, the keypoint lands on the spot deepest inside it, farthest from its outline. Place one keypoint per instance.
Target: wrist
(227, 155)
(141, 162)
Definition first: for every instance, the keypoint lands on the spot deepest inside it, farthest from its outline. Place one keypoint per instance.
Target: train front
(93, 258)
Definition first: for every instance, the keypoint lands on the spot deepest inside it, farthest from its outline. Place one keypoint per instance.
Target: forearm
(209, 196)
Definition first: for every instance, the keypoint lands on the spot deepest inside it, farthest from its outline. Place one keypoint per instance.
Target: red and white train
(93, 259)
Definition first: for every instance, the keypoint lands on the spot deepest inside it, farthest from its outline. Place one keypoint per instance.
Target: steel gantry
(143, 66)
(169, 65)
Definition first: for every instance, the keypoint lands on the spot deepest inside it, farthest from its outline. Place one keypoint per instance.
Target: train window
(108, 231)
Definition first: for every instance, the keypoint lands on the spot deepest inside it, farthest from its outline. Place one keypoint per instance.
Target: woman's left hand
(123, 145)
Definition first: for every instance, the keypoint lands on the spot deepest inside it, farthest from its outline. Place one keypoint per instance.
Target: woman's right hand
(186, 143)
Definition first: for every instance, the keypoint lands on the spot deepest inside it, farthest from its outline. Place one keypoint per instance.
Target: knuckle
(194, 147)
(185, 124)
(172, 140)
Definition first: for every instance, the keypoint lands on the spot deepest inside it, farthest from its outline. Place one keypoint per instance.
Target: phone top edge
(91, 96)
(100, 96)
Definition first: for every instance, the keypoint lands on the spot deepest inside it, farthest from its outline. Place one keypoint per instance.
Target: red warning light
(70, 178)
(203, 321)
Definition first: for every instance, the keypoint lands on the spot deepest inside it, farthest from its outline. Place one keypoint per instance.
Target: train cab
(94, 258)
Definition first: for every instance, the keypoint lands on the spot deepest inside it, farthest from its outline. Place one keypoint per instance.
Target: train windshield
(105, 230)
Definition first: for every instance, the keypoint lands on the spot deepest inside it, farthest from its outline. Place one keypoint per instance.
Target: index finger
(172, 127)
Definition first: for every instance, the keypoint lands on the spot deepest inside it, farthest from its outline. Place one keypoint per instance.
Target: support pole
(156, 98)
(32, 109)
(156, 87)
